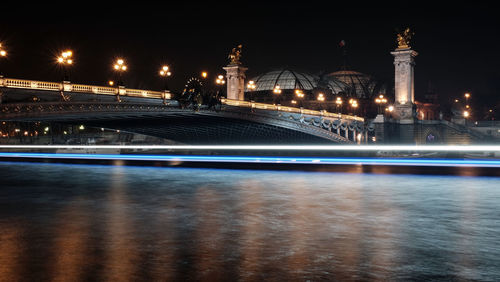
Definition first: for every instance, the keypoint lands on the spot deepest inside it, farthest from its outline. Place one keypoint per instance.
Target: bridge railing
(80, 88)
(122, 91)
(273, 107)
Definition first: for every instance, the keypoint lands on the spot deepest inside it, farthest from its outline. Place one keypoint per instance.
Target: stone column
(404, 62)
(235, 75)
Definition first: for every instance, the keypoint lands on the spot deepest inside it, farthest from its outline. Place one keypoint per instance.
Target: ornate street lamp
(251, 87)
(300, 96)
(65, 60)
(120, 67)
(321, 99)
(339, 102)
(165, 73)
(220, 82)
(380, 101)
(354, 105)
(277, 92)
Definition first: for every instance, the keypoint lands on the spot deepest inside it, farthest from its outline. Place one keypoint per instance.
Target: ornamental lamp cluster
(338, 101)
(299, 93)
(66, 58)
(220, 80)
(380, 100)
(164, 71)
(353, 103)
(321, 97)
(120, 65)
(251, 85)
(277, 89)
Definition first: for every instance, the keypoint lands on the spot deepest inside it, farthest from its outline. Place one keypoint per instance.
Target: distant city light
(3, 52)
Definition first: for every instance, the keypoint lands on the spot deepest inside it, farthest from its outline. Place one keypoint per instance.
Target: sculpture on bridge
(195, 96)
(403, 38)
(235, 56)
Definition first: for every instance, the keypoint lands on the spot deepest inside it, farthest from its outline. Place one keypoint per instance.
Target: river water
(62, 222)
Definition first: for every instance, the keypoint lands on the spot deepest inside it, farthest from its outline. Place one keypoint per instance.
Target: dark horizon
(455, 46)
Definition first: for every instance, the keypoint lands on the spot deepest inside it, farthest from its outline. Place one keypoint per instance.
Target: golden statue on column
(403, 38)
(235, 55)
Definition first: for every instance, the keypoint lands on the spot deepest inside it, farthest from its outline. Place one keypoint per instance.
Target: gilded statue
(404, 38)
(235, 55)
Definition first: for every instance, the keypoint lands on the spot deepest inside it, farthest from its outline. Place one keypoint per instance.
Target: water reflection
(163, 224)
(11, 251)
(69, 243)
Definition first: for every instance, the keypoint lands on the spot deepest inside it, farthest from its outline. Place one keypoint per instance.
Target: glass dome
(360, 85)
(289, 80)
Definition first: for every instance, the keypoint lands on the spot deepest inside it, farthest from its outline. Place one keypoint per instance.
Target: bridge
(156, 113)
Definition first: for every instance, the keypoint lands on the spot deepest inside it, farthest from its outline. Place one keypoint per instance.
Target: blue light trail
(269, 160)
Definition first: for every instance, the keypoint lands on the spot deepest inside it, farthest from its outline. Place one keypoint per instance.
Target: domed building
(289, 87)
(361, 86)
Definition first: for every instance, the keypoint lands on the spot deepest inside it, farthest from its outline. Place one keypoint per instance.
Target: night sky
(457, 44)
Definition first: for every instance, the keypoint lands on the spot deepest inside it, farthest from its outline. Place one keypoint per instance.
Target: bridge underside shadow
(209, 130)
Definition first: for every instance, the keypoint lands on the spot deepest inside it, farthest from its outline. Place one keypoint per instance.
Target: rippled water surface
(64, 222)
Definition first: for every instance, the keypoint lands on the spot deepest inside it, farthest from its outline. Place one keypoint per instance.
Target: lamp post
(380, 101)
(120, 67)
(338, 103)
(220, 82)
(277, 92)
(3, 54)
(165, 73)
(300, 96)
(251, 87)
(354, 105)
(321, 99)
(65, 60)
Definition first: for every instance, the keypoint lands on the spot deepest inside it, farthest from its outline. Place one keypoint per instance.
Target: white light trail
(413, 148)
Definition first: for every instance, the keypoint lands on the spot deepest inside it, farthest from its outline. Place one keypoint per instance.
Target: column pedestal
(235, 75)
(404, 85)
